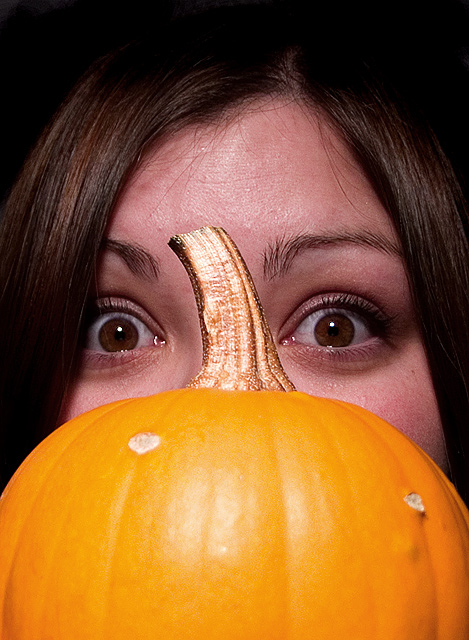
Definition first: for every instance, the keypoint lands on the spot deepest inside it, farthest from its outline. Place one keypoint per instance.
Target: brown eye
(334, 330)
(118, 335)
(116, 331)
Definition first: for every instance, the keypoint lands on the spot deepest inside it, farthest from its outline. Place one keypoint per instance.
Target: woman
(335, 188)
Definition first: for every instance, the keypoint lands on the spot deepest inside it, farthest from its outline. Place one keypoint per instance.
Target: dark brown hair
(200, 70)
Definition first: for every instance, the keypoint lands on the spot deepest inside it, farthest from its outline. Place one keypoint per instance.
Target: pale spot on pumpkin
(415, 501)
(144, 442)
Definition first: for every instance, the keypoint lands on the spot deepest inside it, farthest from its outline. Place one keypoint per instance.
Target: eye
(338, 321)
(333, 328)
(111, 329)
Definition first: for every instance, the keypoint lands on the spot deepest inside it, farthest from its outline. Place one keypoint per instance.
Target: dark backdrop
(46, 44)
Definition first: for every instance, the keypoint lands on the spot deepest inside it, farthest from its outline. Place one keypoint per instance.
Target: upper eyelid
(342, 300)
(380, 319)
(316, 303)
(106, 304)
(346, 300)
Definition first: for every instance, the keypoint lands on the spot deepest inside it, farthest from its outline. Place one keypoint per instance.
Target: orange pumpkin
(202, 514)
(252, 515)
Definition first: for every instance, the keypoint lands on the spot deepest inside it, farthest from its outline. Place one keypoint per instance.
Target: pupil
(333, 329)
(119, 334)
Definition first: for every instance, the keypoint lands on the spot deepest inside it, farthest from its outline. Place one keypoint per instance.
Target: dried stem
(238, 349)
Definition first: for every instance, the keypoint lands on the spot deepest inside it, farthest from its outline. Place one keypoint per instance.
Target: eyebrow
(138, 260)
(280, 255)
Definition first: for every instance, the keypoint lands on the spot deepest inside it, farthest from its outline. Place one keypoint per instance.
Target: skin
(272, 174)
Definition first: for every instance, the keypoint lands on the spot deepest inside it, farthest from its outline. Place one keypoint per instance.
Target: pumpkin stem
(238, 348)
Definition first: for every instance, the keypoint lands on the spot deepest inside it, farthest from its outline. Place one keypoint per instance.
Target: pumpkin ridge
(354, 526)
(390, 453)
(134, 482)
(286, 543)
(109, 613)
(297, 414)
(387, 449)
(458, 516)
(96, 426)
(32, 505)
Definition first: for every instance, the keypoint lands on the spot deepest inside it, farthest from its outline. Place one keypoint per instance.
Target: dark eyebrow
(279, 256)
(137, 259)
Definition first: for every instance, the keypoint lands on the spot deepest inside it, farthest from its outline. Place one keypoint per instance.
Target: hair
(197, 73)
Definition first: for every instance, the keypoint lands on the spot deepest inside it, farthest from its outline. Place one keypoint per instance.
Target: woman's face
(320, 247)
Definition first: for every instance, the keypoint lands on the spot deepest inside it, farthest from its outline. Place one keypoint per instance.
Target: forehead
(274, 164)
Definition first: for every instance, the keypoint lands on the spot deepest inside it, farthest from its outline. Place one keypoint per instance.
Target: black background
(45, 45)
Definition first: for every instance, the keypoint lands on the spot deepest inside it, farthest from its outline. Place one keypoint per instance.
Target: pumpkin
(232, 513)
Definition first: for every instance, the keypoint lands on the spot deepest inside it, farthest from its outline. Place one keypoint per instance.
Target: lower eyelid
(111, 359)
(351, 359)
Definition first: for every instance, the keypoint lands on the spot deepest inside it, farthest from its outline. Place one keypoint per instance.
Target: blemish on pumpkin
(415, 501)
(144, 442)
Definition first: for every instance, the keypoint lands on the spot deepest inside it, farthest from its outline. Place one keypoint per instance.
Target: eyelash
(111, 305)
(352, 302)
(379, 323)
(107, 305)
(101, 306)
